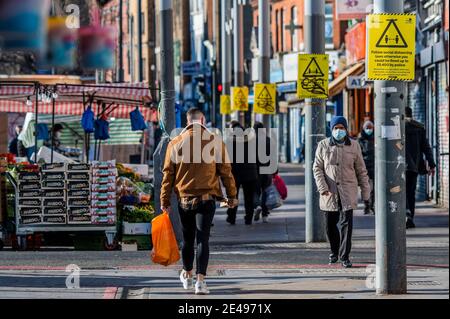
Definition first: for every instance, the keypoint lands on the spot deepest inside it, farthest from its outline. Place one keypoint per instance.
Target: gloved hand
(367, 209)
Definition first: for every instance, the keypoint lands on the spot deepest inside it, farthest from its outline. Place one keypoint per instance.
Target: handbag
(273, 198)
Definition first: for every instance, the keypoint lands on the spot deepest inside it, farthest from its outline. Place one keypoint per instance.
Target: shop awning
(339, 84)
(122, 98)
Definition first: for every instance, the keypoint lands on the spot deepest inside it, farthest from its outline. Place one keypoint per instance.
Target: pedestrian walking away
(245, 170)
(417, 147)
(264, 180)
(196, 182)
(339, 169)
(367, 142)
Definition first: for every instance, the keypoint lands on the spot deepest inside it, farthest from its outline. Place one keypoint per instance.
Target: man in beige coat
(339, 169)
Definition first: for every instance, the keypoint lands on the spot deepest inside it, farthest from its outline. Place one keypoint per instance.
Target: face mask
(58, 135)
(339, 135)
(369, 131)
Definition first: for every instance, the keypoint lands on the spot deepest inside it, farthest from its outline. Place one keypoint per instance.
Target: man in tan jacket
(195, 162)
(339, 169)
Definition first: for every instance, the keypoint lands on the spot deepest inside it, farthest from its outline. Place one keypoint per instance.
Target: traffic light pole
(315, 122)
(264, 46)
(226, 53)
(238, 30)
(390, 202)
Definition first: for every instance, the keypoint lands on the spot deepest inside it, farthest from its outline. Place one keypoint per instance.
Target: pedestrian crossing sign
(265, 99)
(239, 99)
(391, 47)
(313, 76)
(225, 105)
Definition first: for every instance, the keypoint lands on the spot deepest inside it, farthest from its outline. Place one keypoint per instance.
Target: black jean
(196, 224)
(339, 231)
(411, 186)
(249, 193)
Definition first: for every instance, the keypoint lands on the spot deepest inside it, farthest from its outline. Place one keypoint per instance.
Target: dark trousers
(339, 231)
(196, 224)
(411, 186)
(249, 193)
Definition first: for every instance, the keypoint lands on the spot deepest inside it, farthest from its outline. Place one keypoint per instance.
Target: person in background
(197, 186)
(245, 173)
(264, 180)
(339, 169)
(367, 142)
(13, 147)
(417, 146)
(55, 139)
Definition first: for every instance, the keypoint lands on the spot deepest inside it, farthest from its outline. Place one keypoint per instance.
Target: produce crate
(144, 242)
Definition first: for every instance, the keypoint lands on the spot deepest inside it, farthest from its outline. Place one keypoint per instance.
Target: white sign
(290, 67)
(357, 82)
(353, 9)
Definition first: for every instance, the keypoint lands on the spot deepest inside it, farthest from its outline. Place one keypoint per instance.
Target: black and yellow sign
(391, 47)
(265, 99)
(225, 104)
(239, 99)
(312, 76)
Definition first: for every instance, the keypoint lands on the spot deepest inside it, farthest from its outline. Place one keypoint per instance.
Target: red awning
(122, 99)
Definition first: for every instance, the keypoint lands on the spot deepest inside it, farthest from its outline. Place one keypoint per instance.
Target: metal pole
(53, 125)
(226, 54)
(139, 35)
(391, 274)
(264, 47)
(214, 64)
(167, 113)
(120, 71)
(315, 122)
(36, 114)
(238, 29)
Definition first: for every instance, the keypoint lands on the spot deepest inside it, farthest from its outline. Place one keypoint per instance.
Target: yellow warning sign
(391, 47)
(225, 104)
(265, 98)
(312, 76)
(239, 98)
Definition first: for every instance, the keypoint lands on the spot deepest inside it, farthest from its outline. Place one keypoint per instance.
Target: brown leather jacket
(191, 172)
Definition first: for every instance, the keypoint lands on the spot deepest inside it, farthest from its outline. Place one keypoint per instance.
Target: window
(294, 32)
(329, 28)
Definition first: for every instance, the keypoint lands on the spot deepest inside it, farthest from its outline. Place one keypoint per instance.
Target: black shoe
(333, 259)
(347, 264)
(410, 224)
(231, 221)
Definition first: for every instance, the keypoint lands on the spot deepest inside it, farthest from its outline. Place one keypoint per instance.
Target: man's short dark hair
(408, 112)
(194, 113)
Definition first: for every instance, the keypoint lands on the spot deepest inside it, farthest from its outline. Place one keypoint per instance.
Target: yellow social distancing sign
(225, 104)
(239, 99)
(313, 76)
(265, 99)
(391, 47)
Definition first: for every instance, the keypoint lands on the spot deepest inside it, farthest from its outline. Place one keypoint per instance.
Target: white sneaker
(188, 283)
(265, 219)
(201, 288)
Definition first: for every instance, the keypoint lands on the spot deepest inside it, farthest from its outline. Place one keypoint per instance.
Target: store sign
(313, 76)
(265, 99)
(239, 99)
(353, 9)
(357, 82)
(225, 104)
(391, 47)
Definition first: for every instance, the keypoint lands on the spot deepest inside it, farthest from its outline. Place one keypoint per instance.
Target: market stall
(53, 193)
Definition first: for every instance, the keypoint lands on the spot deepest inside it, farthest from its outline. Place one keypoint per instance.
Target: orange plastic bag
(165, 247)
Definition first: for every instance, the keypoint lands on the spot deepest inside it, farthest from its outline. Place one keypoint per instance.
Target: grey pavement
(259, 261)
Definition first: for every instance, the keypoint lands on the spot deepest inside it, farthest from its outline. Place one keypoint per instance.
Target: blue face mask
(368, 131)
(339, 135)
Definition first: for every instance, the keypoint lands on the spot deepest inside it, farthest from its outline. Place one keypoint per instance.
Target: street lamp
(212, 63)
